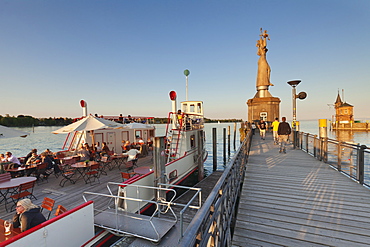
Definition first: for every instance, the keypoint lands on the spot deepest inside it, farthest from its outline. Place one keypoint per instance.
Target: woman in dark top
(28, 215)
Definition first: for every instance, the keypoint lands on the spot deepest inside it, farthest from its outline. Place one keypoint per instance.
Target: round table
(15, 182)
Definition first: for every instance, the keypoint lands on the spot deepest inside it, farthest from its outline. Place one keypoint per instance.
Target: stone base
(269, 105)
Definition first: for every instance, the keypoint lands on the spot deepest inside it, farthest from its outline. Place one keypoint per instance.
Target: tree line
(29, 121)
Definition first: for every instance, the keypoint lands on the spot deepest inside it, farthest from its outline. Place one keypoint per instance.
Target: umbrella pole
(92, 138)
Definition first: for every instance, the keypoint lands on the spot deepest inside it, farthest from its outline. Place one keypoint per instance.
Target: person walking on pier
(284, 131)
(275, 126)
(262, 127)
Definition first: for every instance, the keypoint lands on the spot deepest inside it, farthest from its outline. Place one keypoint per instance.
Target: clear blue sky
(125, 56)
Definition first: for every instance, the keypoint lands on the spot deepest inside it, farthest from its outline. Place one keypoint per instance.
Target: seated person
(12, 159)
(126, 146)
(104, 149)
(84, 154)
(33, 159)
(46, 159)
(29, 155)
(2, 158)
(28, 215)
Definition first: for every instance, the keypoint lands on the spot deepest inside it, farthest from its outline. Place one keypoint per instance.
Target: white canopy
(6, 132)
(89, 123)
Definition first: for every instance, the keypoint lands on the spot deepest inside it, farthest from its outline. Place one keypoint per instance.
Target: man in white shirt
(10, 158)
(132, 155)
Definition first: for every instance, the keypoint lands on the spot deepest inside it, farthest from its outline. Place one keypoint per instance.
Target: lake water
(41, 138)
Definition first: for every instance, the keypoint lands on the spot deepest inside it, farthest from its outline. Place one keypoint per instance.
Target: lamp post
(186, 73)
(301, 95)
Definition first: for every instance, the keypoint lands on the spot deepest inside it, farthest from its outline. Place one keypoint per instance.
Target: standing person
(253, 125)
(262, 126)
(284, 131)
(275, 126)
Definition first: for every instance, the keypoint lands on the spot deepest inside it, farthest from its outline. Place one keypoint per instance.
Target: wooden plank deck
(295, 200)
(70, 195)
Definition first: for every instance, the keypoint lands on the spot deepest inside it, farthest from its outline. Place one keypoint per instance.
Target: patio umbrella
(6, 132)
(89, 123)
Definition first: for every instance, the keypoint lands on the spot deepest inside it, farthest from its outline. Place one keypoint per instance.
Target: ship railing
(197, 197)
(213, 223)
(351, 159)
(111, 211)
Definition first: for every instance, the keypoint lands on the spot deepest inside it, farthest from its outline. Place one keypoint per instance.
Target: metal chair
(47, 204)
(24, 190)
(92, 172)
(67, 174)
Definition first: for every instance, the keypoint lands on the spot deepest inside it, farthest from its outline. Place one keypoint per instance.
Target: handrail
(213, 223)
(348, 158)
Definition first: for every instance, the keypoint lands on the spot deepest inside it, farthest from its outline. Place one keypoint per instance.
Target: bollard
(224, 140)
(214, 142)
(228, 141)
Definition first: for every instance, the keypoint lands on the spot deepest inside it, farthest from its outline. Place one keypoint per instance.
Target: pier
(295, 200)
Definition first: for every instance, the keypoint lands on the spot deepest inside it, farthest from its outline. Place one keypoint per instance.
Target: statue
(263, 73)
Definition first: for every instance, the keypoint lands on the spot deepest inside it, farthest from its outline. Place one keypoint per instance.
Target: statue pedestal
(268, 106)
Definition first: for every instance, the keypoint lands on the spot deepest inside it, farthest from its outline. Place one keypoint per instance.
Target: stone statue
(263, 73)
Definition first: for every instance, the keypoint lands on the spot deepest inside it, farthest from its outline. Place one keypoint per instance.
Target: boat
(142, 205)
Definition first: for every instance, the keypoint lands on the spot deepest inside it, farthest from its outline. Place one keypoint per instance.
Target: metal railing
(350, 159)
(214, 222)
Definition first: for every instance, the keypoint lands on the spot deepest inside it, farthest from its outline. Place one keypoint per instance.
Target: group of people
(281, 131)
(11, 162)
(92, 152)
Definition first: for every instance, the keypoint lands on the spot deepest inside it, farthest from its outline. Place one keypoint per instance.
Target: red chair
(127, 175)
(47, 204)
(92, 173)
(60, 210)
(23, 191)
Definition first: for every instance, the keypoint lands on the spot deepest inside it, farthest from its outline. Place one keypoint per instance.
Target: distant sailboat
(219, 122)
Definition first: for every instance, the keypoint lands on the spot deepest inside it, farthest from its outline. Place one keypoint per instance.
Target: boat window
(137, 133)
(172, 175)
(192, 141)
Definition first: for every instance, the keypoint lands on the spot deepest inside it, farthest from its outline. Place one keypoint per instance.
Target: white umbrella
(6, 132)
(89, 123)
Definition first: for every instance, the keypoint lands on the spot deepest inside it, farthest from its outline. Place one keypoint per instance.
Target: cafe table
(22, 168)
(14, 232)
(118, 160)
(142, 170)
(81, 168)
(11, 185)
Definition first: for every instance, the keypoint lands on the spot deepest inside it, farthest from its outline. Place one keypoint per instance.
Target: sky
(124, 57)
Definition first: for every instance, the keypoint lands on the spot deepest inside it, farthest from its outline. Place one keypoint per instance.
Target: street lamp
(301, 96)
(186, 73)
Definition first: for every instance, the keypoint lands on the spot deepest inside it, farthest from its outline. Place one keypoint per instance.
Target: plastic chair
(60, 210)
(47, 204)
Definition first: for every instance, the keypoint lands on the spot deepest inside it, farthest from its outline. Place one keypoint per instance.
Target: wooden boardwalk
(295, 200)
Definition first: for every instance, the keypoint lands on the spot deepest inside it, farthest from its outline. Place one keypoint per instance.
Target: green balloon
(186, 72)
